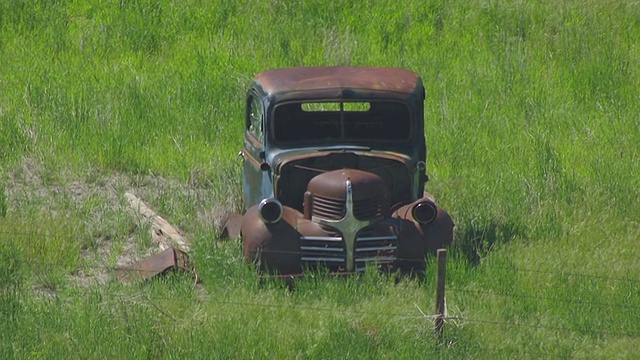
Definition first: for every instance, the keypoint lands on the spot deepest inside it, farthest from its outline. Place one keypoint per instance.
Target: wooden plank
(162, 232)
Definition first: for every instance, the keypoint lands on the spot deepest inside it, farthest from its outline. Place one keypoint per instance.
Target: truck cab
(334, 162)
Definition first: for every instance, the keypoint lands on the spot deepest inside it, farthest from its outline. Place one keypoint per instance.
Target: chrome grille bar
(322, 259)
(376, 259)
(376, 238)
(320, 249)
(321, 238)
(377, 248)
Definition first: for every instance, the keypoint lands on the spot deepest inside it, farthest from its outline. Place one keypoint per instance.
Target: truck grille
(372, 248)
(323, 250)
(329, 251)
(334, 209)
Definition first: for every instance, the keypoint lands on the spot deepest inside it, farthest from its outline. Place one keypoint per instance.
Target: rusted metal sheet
(161, 263)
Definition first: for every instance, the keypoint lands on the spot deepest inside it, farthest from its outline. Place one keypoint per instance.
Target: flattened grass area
(533, 133)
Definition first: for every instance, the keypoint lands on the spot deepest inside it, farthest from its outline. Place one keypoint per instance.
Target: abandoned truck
(334, 163)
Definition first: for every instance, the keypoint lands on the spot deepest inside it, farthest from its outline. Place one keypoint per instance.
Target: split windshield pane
(342, 121)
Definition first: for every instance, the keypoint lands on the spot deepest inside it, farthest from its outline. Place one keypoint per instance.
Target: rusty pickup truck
(334, 171)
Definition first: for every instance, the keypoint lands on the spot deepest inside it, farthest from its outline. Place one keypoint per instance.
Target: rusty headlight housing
(424, 212)
(270, 211)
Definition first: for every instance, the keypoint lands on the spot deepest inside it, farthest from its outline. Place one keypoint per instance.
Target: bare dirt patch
(98, 215)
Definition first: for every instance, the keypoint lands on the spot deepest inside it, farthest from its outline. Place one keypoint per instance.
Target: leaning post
(440, 298)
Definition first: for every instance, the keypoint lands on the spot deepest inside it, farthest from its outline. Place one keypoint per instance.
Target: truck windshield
(342, 121)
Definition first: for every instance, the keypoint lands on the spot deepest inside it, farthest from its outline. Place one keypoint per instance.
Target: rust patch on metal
(331, 184)
(158, 264)
(309, 79)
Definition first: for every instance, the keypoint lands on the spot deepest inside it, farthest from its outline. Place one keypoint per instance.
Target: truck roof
(323, 81)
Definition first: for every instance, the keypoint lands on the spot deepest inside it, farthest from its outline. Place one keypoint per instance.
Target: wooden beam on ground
(162, 232)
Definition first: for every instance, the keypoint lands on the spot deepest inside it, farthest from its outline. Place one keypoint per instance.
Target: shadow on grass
(476, 239)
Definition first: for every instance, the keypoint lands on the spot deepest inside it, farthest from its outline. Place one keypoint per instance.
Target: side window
(255, 117)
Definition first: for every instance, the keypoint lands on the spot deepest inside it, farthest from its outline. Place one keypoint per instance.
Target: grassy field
(532, 124)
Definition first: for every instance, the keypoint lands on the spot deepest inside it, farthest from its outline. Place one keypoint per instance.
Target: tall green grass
(531, 120)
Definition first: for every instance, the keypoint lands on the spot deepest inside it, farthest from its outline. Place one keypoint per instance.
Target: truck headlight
(270, 211)
(424, 212)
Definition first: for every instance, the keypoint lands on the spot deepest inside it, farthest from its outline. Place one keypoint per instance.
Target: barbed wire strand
(537, 297)
(545, 327)
(458, 321)
(561, 273)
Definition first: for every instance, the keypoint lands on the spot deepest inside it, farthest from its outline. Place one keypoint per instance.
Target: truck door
(256, 182)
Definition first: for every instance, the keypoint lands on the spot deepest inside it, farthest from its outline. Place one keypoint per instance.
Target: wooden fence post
(440, 299)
